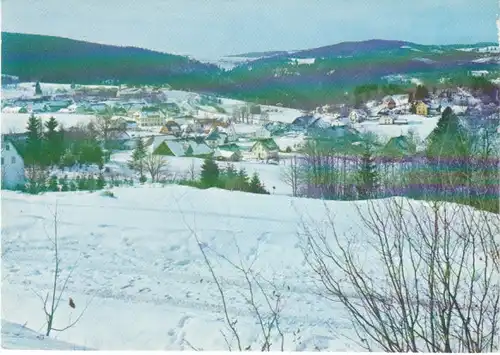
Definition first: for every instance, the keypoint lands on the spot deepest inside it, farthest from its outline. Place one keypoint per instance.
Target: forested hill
(301, 79)
(62, 60)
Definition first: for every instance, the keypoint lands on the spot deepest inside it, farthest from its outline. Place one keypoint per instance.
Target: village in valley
(183, 128)
(233, 176)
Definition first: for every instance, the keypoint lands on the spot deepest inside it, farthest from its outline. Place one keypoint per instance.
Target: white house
(150, 117)
(13, 173)
(265, 149)
(386, 120)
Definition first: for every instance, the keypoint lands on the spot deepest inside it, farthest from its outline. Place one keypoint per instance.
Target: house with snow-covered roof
(228, 152)
(12, 169)
(183, 148)
(215, 138)
(151, 116)
(265, 149)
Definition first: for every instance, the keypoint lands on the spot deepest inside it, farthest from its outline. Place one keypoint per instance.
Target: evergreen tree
(448, 137)
(91, 153)
(38, 89)
(138, 156)
(91, 183)
(53, 142)
(68, 159)
(421, 93)
(230, 178)
(33, 148)
(101, 182)
(256, 186)
(367, 183)
(81, 183)
(53, 184)
(209, 173)
(64, 183)
(448, 153)
(72, 186)
(231, 171)
(242, 180)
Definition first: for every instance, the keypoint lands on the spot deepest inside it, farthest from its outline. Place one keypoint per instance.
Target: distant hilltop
(303, 78)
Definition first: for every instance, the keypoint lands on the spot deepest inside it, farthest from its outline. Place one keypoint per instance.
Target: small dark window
(13, 160)
(2, 161)
(7, 146)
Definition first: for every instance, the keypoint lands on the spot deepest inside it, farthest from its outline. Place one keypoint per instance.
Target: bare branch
(268, 321)
(50, 308)
(436, 286)
(155, 165)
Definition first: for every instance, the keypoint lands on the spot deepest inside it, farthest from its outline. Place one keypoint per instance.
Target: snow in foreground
(144, 274)
(19, 337)
(136, 261)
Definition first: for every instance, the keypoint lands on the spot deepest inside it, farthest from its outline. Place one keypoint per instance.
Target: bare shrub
(431, 283)
(263, 297)
(155, 165)
(52, 300)
(291, 174)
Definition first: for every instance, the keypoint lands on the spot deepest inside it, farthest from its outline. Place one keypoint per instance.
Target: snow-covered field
(135, 261)
(140, 267)
(282, 114)
(422, 126)
(20, 337)
(179, 167)
(17, 122)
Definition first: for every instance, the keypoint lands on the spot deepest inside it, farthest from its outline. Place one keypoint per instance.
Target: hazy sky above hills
(214, 28)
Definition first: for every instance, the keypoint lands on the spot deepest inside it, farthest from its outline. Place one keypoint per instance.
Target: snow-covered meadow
(421, 126)
(140, 267)
(182, 168)
(136, 262)
(20, 337)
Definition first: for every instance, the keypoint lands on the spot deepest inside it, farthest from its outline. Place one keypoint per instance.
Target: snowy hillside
(138, 268)
(19, 337)
(144, 274)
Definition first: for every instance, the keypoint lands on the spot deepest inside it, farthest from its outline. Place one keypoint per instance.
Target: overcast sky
(214, 28)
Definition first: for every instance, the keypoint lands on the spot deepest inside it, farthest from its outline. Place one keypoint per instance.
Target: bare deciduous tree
(52, 299)
(264, 117)
(436, 285)
(155, 165)
(106, 128)
(192, 171)
(266, 316)
(291, 174)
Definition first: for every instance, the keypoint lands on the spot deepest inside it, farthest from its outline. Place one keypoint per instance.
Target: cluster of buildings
(196, 126)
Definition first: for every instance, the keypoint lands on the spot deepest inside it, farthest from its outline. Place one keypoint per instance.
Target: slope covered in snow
(142, 271)
(136, 263)
(19, 337)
